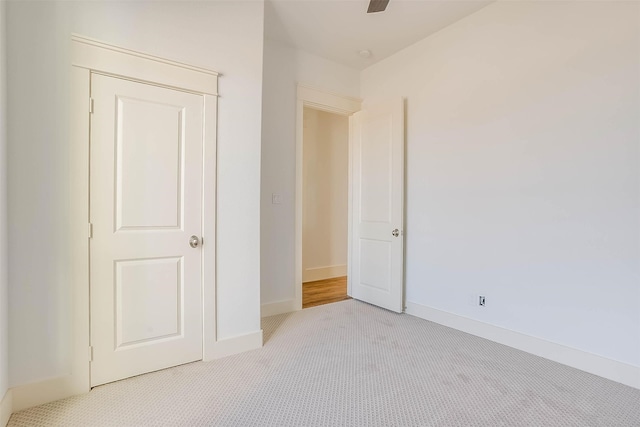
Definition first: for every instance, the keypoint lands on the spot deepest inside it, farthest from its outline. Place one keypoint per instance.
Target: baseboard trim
(235, 345)
(607, 368)
(6, 408)
(279, 307)
(322, 273)
(39, 393)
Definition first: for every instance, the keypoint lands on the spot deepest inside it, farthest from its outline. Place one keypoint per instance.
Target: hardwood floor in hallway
(324, 292)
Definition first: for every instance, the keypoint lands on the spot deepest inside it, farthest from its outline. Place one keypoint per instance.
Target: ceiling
(339, 29)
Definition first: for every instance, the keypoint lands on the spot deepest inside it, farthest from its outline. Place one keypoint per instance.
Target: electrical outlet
(481, 301)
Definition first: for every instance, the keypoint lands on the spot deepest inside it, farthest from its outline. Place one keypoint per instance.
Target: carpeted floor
(352, 364)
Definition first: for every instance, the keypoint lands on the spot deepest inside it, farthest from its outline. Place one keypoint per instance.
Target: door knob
(194, 241)
(395, 233)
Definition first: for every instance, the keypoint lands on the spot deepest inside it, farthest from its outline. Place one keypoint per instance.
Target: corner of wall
(49, 390)
(4, 291)
(280, 307)
(6, 408)
(235, 345)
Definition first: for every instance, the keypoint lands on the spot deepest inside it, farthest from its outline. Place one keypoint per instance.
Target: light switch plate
(276, 199)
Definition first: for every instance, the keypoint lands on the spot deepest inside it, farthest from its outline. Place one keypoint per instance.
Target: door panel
(377, 133)
(376, 168)
(373, 273)
(139, 281)
(149, 130)
(145, 203)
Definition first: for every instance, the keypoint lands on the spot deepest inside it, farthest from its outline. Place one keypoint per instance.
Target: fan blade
(377, 6)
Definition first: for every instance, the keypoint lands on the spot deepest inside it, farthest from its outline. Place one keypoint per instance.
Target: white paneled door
(377, 248)
(146, 215)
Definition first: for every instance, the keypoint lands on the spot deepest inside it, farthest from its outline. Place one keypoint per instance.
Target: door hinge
(90, 354)
(90, 230)
(90, 105)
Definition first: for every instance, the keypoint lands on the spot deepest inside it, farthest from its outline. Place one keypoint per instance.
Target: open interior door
(377, 194)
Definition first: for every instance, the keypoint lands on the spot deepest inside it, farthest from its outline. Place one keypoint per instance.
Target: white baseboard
(279, 307)
(30, 395)
(235, 345)
(322, 273)
(6, 408)
(579, 359)
(39, 393)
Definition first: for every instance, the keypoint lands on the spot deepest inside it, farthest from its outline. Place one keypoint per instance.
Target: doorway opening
(323, 101)
(325, 210)
(375, 201)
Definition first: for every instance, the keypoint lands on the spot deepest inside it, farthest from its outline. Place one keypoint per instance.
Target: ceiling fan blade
(377, 6)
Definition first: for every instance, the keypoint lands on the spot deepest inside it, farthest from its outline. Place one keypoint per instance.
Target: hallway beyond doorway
(324, 291)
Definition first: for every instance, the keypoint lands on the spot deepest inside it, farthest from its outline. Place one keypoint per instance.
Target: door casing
(89, 56)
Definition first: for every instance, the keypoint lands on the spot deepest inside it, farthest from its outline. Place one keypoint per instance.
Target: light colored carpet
(351, 364)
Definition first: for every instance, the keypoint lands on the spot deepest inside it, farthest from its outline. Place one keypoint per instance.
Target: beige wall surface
(523, 185)
(224, 36)
(284, 68)
(4, 290)
(325, 192)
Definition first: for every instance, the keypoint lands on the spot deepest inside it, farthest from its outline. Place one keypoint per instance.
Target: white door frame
(332, 103)
(90, 56)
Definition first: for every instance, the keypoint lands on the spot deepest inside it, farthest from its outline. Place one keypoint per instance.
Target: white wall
(523, 135)
(325, 185)
(4, 291)
(224, 36)
(284, 67)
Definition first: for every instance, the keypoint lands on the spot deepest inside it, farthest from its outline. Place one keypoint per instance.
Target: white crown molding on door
(327, 101)
(309, 96)
(117, 61)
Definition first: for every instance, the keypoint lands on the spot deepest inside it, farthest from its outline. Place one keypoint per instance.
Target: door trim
(128, 64)
(308, 96)
(87, 56)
